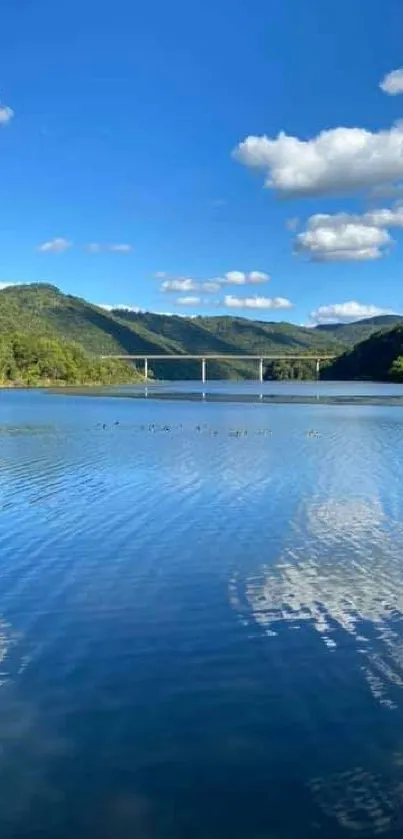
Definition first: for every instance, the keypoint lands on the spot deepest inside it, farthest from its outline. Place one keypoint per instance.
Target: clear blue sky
(125, 119)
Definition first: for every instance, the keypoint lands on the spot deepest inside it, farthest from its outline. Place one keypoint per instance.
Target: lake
(201, 613)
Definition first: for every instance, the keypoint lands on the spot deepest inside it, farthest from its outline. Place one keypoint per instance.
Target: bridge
(205, 357)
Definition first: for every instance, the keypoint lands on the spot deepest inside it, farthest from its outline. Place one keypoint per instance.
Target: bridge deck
(220, 357)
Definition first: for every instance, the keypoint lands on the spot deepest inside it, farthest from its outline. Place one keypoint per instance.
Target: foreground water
(201, 617)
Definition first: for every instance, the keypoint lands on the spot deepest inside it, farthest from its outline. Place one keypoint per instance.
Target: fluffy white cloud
(383, 217)
(342, 242)
(6, 285)
(179, 284)
(339, 160)
(392, 83)
(55, 245)
(6, 114)
(256, 302)
(346, 312)
(345, 236)
(237, 278)
(189, 301)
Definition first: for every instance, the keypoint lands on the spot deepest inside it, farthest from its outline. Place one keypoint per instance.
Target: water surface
(201, 615)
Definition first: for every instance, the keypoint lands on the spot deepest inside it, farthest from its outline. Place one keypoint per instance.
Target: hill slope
(352, 333)
(380, 358)
(42, 309)
(27, 359)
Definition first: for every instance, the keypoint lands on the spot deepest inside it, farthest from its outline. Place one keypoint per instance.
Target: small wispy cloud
(292, 224)
(179, 284)
(57, 245)
(189, 301)
(232, 302)
(211, 286)
(242, 278)
(346, 312)
(120, 248)
(98, 247)
(6, 114)
(392, 83)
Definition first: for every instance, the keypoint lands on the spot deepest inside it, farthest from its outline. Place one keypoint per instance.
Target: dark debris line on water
(256, 398)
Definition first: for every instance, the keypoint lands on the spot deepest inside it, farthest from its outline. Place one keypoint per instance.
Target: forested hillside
(42, 310)
(380, 358)
(29, 360)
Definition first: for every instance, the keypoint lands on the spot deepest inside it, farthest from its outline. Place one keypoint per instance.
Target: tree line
(31, 360)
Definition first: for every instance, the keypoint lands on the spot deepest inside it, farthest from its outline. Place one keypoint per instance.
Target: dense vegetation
(42, 310)
(299, 369)
(352, 333)
(380, 358)
(29, 360)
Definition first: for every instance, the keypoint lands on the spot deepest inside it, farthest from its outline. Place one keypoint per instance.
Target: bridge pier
(260, 370)
(203, 371)
(317, 368)
(146, 369)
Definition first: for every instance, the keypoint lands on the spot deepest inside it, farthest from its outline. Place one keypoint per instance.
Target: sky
(212, 157)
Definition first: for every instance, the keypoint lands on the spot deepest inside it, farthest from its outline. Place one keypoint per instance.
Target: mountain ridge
(42, 309)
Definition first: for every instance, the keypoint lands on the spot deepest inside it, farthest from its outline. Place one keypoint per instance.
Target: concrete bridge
(205, 357)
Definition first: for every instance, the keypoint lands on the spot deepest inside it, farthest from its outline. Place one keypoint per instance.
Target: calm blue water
(201, 631)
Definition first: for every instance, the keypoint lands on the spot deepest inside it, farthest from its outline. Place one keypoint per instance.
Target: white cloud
(256, 302)
(338, 160)
(392, 83)
(6, 114)
(189, 301)
(382, 217)
(385, 217)
(97, 247)
(344, 236)
(160, 275)
(342, 242)
(210, 286)
(213, 285)
(120, 248)
(346, 312)
(235, 277)
(6, 285)
(55, 245)
(242, 278)
(179, 284)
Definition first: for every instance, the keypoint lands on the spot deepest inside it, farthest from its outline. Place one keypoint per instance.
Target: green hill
(379, 358)
(26, 359)
(352, 333)
(43, 310)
